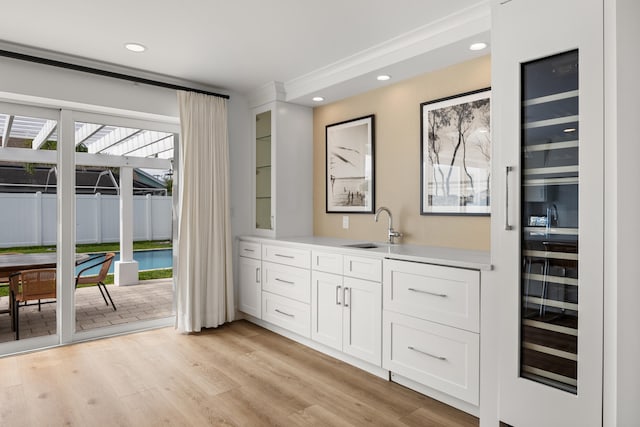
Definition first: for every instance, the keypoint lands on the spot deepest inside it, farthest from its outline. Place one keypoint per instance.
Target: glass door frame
(87, 159)
(66, 159)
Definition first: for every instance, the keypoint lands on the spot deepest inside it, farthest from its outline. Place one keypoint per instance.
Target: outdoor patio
(151, 299)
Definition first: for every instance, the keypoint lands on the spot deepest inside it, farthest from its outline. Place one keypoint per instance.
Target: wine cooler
(550, 143)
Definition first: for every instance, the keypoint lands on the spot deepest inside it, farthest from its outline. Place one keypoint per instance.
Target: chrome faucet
(392, 233)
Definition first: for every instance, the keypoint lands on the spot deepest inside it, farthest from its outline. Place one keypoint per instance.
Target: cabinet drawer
(326, 261)
(249, 249)
(441, 357)
(289, 256)
(446, 295)
(287, 281)
(363, 268)
(287, 313)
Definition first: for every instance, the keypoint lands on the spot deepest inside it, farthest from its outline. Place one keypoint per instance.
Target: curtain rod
(75, 67)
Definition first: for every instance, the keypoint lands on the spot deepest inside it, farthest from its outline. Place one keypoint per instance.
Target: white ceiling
(328, 47)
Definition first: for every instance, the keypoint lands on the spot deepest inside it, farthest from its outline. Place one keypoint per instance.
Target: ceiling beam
(153, 148)
(8, 122)
(140, 140)
(87, 131)
(112, 138)
(47, 129)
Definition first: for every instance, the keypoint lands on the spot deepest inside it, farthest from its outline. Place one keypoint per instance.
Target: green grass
(87, 248)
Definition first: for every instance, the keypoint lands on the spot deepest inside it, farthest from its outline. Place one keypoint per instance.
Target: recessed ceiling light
(383, 77)
(135, 47)
(478, 46)
(569, 130)
(317, 99)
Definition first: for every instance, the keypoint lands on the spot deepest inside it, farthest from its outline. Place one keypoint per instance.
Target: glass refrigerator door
(549, 206)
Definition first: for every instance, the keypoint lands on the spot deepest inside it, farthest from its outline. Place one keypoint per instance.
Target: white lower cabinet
(431, 325)
(250, 289)
(286, 313)
(441, 357)
(346, 315)
(291, 282)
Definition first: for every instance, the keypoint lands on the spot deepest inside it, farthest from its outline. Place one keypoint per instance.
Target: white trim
(116, 114)
(463, 24)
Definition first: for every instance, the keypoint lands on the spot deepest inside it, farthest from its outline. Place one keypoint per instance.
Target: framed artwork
(350, 165)
(455, 155)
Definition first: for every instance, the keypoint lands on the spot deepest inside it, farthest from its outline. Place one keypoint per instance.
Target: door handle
(507, 226)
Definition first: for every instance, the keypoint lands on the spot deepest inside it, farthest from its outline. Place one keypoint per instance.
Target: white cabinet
(547, 210)
(346, 315)
(283, 162)
(431, 327)
(250, 291)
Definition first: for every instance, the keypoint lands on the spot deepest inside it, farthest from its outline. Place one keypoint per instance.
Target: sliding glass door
(76, 187)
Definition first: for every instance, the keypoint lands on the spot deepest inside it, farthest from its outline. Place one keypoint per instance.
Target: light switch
(345, 221)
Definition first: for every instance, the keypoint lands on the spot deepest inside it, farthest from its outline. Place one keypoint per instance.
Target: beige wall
(397, 143)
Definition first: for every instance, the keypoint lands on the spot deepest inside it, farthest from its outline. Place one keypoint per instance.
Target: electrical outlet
(345, 222)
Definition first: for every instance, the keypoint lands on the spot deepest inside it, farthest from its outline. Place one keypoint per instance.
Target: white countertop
(476, 260)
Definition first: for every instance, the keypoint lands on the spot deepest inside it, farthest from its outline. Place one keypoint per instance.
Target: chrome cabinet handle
(346, 304)
(285, 256)
(426, 354)
(338, 302)
(427, 292)
(507, 226)
(285, 281)
(257, 274)
(248, 250)
(286, 314)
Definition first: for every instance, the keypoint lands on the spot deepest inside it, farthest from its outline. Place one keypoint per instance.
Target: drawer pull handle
(285, 281)
(285, 256)
(338, 302)
(286, 314)
(429, 293)
(248, 250)
(427, 354)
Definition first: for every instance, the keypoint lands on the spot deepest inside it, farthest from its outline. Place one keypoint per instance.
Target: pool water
(147, 260)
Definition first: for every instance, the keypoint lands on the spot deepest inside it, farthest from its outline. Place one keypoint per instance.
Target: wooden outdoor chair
(30, 285)
(99, 278)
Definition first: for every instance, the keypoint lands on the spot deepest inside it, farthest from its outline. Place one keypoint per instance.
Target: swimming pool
(147, 260)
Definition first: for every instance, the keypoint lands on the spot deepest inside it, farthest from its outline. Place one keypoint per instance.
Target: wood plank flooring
(235, 375)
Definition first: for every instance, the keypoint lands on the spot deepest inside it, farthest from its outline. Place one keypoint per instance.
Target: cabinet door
(249, 298)
(326, 309)
(547, 242)
(362, 320)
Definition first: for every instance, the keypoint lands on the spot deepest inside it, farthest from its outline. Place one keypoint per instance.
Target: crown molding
(272, 91)
(421, 41)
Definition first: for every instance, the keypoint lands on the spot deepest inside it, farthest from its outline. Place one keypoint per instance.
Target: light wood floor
(238, 374)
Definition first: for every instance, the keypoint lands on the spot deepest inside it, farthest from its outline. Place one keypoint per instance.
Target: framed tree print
(350, 166)
(456, 155)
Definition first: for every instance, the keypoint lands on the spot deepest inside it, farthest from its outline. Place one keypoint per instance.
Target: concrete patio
(151, 299)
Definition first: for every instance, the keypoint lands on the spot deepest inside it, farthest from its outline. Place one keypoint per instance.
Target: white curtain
(205, 281)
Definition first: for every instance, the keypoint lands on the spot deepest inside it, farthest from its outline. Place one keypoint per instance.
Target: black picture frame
(350, 166)
(455, 155)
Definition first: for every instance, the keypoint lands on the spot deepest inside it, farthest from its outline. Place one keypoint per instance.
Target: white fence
(31, 219)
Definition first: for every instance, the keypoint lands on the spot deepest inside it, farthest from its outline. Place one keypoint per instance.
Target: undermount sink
(362, 245)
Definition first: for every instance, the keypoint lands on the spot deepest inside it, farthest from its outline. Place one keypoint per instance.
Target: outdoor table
(10, 263)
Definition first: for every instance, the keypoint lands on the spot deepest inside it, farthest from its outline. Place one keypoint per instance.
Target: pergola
(17, 131)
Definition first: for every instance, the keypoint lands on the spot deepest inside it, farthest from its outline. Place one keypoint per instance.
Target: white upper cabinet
(283, 168)
(547, 216)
